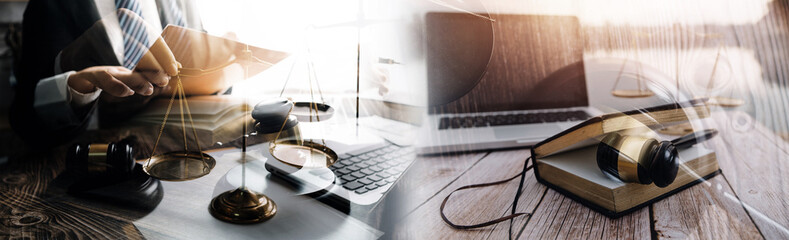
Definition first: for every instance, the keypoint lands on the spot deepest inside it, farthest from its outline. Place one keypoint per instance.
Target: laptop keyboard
(511, 119)
(376, 169)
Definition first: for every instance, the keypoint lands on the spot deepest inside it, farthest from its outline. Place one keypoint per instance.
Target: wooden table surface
(748, 200)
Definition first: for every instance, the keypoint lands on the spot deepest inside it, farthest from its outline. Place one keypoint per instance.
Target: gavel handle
(693, 138)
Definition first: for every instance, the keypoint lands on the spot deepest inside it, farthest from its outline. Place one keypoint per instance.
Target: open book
(584, 133)
(567, 162)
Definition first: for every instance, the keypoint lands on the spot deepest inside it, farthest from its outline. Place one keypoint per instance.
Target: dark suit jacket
(48, 27)
(52, 26)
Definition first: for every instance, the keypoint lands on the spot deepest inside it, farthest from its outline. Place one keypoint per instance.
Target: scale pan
(632, 93)
(302, 111)
(306, 154)
(179, 166)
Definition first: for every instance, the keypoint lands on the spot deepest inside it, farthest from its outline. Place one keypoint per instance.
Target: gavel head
(101, 159)
(638, 159)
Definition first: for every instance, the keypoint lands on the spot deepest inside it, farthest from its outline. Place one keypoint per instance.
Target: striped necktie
(178, 15)
(135, 32)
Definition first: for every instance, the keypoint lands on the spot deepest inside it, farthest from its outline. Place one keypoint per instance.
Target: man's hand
(154, 68)
(116, 81)
(158, 60)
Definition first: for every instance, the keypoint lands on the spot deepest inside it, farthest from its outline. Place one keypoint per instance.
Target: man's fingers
(137, 82)
(159, 78)
(107, 82)
(147, 64)
(152, 70)
(164, 57)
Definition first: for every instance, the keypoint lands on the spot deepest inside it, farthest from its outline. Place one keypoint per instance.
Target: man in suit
(75, 51)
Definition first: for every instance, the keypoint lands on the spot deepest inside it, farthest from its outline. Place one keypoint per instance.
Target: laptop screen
(503, 63)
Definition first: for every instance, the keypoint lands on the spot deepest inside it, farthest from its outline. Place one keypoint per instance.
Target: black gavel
(645, 160)
(101, 159)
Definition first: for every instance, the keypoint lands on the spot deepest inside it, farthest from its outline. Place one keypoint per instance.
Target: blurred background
(729, 50)
(675, 42)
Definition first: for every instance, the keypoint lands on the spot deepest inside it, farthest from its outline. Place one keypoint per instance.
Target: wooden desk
(749, 200)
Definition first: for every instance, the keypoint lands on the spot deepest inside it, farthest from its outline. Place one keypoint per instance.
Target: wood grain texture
(708, 210)
(559, 217)
(533, 193)
(428, 176)
(35, 218)
(470, 206)
(29, 209)
(753, 161)
(769, 41)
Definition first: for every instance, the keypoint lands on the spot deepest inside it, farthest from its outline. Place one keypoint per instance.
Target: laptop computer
(369, 165)
(501, 82)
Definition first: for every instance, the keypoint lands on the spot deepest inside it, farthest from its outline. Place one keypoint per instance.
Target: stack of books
(216, 118)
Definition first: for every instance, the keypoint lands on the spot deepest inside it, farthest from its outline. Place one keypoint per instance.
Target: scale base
(242, 206)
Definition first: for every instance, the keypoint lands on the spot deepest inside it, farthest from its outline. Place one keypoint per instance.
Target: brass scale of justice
(641, 92)
(241, 205)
